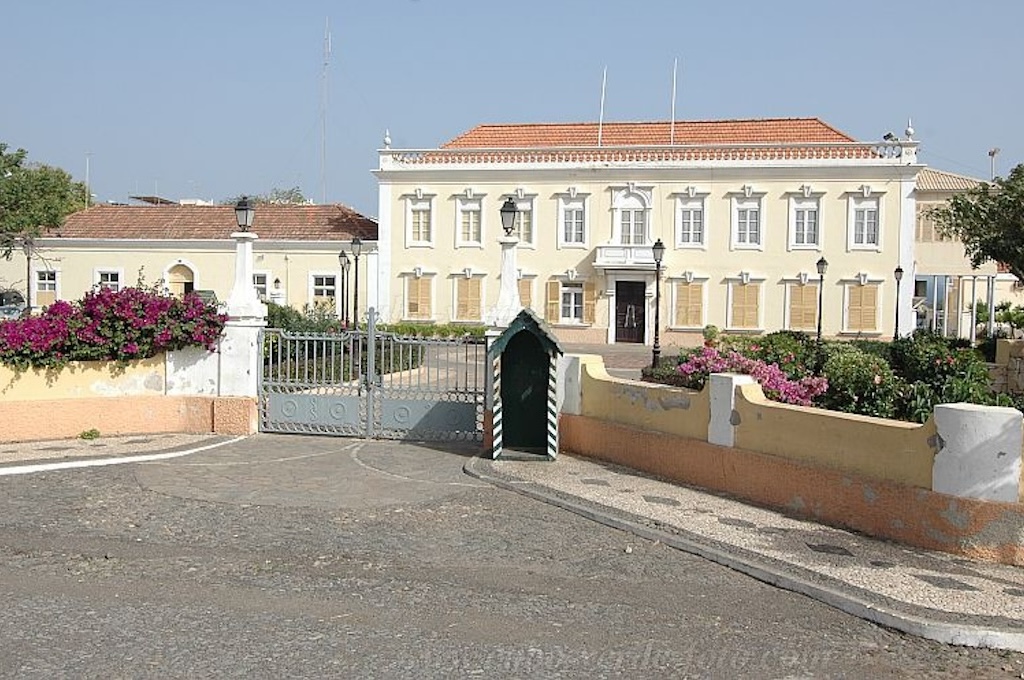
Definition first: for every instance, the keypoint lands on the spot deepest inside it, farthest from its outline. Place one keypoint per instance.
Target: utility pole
(992, 161)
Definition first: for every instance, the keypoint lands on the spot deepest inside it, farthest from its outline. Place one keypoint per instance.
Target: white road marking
(272, 460)
(98, 462)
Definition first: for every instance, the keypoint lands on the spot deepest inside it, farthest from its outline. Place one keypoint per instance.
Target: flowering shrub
(106, 325)
(776, 385)
(860, 382)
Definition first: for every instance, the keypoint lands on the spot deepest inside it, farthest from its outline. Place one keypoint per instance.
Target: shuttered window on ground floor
(570, 302)
(467, 298)
(417, 298)
(689, 297)
(862, 308)
(803, 306)
(745, 305)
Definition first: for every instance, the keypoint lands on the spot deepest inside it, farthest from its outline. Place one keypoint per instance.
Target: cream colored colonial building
(188, 247)
(946, 285)
(745, 208)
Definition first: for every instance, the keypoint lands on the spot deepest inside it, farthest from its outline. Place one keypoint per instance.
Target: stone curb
(787, 577)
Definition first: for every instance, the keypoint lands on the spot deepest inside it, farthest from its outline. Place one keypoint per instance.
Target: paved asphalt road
(288, 556)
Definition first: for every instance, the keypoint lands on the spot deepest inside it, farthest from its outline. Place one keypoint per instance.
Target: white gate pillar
(241, 356)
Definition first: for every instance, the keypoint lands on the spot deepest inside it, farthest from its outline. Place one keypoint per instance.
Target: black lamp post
(508, 216)
(345, 264)
(898, 273)
(357, 247)
(659, 252)
(822, 268)
(245, 211)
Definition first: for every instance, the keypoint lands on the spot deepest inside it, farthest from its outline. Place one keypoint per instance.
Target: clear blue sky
(212, 99)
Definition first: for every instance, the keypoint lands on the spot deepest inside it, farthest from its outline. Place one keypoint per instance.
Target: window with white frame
(418, 297)
(259, 282)
(865, 225)
(523, 226)
(572, 221)
(469, 228)
(804, 231)
(631, 214)
(746, 223)
(46, 287)
(324, 289)
(109, 279)
(570, 302)
(689, 221)
(419, 221)
(689, 304)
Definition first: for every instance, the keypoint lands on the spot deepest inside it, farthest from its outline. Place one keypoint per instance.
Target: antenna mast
(323, 112)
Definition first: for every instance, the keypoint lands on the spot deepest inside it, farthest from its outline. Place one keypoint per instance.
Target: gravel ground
(141, 571)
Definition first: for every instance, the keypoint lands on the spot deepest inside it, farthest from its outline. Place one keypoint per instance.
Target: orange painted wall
(919, 517)
(64, 418)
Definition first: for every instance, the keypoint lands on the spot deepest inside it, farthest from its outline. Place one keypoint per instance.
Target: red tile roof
(708, 132)
(272, 223)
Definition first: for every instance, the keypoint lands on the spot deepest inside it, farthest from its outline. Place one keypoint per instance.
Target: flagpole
(672, 132)
(600, 120)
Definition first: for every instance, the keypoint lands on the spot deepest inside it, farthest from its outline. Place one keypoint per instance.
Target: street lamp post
(898, 273)
(345, 263)
(822, 266)
(357, 247)
(658, 249)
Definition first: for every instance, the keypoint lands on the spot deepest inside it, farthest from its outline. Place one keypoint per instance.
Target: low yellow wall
(84, 379)
(672, 410)
(978, 529)
(875, 447)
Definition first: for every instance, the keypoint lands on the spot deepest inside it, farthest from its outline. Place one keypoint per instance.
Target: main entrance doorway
(629, 311)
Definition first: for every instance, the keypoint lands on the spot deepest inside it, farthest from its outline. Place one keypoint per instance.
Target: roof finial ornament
(387, 138)
(910, 130)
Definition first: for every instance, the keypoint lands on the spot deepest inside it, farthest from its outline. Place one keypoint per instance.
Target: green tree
(276, 195)
(989, 220)
(33, 197)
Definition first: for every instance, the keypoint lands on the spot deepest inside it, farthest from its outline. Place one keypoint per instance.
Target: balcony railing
(625, 256)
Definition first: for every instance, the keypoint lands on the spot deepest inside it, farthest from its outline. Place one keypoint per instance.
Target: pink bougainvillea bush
(776, 385)
(107, 325)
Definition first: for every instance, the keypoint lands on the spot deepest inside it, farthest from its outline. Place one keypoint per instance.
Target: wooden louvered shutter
(589, 302)
(689, 304)
(553, 301)
(744, 305)
(803, 306)
(526, 292)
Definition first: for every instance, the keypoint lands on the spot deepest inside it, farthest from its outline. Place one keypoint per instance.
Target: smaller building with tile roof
(189, 247)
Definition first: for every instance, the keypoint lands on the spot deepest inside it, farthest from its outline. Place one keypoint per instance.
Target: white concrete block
(721, 430)
(979, 452)
(568, 395)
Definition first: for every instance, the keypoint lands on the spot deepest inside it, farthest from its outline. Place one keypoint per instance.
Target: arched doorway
(180, 280)
(524, 393)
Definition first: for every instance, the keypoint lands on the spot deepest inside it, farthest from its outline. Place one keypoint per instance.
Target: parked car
(14, 311)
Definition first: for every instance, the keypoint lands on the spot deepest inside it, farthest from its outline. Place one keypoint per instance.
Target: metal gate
(367, 383)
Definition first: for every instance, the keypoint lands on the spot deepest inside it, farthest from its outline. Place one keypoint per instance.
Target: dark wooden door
(629, 311)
